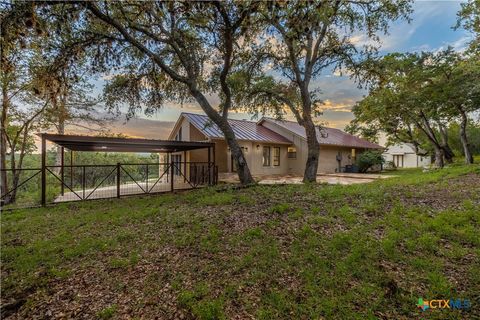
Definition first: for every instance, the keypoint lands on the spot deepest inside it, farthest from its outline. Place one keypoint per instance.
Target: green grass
(107, 313)
(295, 251)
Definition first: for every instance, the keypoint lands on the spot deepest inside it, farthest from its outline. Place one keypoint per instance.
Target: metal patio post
(214, 166)
(44, 174)
(208, 166)
(184, 166)
(167, 167)
(71, 169)
(62, 173)
(171, 178)
(118, 179)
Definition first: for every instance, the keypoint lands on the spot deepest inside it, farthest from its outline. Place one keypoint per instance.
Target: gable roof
(421, 152)
(327, 136)
(243, 129)
(254, 131)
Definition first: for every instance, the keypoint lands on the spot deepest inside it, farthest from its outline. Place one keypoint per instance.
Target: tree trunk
(60, 107)
(3, 143)
(3, 165)
(447, 151)
(430, 134)
(464, 140)
(311, 166)
(15, 175)
(12, 196)
(241, 164)
(439, 155)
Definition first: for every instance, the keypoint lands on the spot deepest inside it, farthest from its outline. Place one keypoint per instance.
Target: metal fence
(88, 182)
(22, 188)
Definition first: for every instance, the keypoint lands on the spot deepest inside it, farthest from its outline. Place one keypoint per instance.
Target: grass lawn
(362, 251)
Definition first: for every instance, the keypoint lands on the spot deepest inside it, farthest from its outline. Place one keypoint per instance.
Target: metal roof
(111, 144)
(243, 129)
(327, 136)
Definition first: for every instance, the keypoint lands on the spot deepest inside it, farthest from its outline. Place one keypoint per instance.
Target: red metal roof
(243, 129)
(327, 136)
(254, 131)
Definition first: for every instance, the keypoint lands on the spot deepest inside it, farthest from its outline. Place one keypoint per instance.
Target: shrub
(368, 159)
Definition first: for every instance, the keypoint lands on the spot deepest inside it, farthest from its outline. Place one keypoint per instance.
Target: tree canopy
(417, 95)
(303, 39)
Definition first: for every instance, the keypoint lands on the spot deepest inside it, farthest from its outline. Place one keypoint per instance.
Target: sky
(430, 29)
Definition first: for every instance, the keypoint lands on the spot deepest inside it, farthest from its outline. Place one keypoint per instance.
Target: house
(403, 155)
(270, 146)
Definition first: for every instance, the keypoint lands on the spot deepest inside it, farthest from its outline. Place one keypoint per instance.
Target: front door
(398, 160)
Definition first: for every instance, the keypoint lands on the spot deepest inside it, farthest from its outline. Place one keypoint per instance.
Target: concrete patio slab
(330, 178)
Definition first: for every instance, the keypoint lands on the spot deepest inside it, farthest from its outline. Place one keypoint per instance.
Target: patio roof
(111, 144)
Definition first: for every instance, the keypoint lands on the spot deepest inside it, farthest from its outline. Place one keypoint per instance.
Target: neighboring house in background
(403, 155)
(270, 146)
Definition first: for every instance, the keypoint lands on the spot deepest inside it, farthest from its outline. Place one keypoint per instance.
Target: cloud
(344, 105)
(133, 128)
(336, 119)
(144, 128)
(338, 89)
(460, 45)
(400, 33)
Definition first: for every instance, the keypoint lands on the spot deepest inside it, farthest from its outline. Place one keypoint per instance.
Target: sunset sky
(430, 29)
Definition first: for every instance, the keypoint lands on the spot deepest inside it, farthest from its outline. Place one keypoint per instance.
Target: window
(292, 153)
(398, 160)
(276, 156)
(266, 156)
(354, 153)
(178, 137)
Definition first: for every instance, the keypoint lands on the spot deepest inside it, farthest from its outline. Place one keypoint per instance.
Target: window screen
(276, 156)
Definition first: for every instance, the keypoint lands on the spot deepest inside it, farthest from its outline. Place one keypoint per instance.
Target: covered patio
(85, 182)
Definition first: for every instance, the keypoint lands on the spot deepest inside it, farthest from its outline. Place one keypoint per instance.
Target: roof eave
(257, 141)
(175, 127)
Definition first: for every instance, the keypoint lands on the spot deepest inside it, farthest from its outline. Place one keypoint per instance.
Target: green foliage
(413, 96)
(303, 39)
(107, 313)
(368, 159)
(281, 208)
(473, 134)
(469, 19)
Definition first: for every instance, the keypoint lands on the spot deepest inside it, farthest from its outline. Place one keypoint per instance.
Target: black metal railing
(87, 182)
